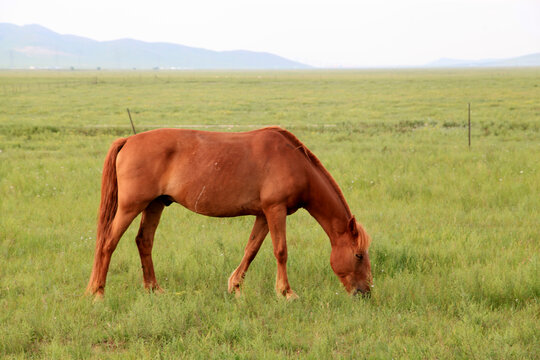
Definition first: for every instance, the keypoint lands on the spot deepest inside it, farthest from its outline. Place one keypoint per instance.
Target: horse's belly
(216, 200)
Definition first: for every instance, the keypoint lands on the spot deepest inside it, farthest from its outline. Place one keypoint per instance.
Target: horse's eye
(359, 256)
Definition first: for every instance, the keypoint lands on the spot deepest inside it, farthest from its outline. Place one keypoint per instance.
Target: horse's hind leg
(121, 222)
(260, 229)
(145, 240)
(277, 222)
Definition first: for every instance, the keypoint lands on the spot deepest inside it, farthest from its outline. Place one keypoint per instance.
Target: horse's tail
(107, 207)
(109, 192)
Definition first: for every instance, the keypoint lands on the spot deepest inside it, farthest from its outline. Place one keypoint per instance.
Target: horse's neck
(328, 207)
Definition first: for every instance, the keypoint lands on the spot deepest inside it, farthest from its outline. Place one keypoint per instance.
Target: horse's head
(350, 260)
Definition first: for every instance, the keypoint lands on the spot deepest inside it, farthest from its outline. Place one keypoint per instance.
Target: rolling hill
(38, 47)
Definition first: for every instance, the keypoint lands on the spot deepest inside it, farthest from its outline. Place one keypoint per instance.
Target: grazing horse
(267, 173)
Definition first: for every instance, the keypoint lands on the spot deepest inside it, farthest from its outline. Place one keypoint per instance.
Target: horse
(267, 173)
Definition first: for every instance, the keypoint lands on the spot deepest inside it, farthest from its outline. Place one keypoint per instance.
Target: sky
(321, 33)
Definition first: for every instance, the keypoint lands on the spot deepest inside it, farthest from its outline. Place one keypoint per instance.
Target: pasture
(456, 236)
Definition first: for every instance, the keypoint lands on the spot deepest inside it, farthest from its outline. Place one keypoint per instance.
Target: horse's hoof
(287, 294)
(158, 290)
(237, 292)
(154, 288)
(291, 295)
(98, 297)
(233, 286)
(235, 289)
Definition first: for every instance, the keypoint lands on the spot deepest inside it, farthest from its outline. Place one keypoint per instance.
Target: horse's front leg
(276, 217)
(260, 229)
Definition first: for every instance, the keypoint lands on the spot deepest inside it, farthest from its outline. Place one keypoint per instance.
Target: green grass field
(456, 231)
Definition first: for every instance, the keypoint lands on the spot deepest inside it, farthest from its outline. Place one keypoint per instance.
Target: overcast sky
(324, 33)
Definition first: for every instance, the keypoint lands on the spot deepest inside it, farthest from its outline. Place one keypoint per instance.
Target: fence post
(469, 125)
(131, 121)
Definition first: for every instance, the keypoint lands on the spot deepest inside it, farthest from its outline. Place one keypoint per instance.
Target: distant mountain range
(526, 60)
(38, 47)
(33, 46)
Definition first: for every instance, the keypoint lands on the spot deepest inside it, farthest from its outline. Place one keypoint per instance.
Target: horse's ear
(353, 229)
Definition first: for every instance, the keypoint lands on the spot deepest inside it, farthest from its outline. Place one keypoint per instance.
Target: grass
(455, 250)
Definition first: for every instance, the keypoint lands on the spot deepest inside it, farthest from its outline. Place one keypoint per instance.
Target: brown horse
(268, 173)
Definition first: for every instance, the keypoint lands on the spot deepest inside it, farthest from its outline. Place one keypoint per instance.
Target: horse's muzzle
(365, 292)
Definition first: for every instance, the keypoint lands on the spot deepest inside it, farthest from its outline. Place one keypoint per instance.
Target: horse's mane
(315, 161)
(363, 238)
